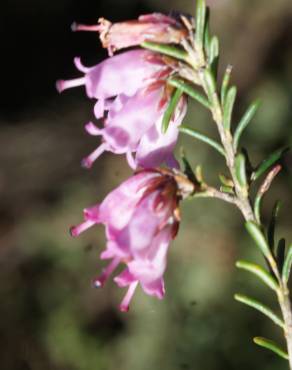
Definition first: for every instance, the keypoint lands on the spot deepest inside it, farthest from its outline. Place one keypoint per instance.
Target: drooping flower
(141, 217)
(124, 73)
(155, 27)
(132, 95)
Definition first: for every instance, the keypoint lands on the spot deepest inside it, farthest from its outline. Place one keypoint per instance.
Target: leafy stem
(198, 57)
(221, 107)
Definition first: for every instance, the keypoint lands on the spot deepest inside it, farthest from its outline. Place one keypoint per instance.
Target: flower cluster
(131, 94)
(141, 217)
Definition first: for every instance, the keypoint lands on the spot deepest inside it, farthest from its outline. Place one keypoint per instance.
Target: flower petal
(118, 207)
(124, 130)
(157, 147)
(122, 73)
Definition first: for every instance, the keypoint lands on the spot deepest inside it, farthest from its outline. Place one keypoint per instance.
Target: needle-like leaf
(259, 238)
(189, 90)
(225, 83)
(271, 345)
(214, 54)
(257, 270)
(245, 120)
(189, 131)
(170, 109)
(200, 22)
(260, 307)
(272, 224)
(240, 170)
(171, 51)
(268, 163)
(287, 265)
(228, 107)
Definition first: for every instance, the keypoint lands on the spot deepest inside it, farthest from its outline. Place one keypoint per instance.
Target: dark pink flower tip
(124, 308)
(89, 160)
(125, 304)
(73, 231)
(77, 230)
(86, 163)
(98, 283)
(106, 273)
(74, 27)
(83, 27)
(60, 86)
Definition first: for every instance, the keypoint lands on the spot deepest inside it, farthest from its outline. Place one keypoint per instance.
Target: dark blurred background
(51, 318)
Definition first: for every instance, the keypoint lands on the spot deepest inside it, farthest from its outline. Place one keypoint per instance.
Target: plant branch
(241, 197)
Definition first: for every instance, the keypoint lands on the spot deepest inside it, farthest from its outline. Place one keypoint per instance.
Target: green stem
(241, 198)
(285, 305)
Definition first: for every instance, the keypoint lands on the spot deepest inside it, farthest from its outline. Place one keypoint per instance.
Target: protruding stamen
(92, 129)
(83, 27)
(124, 306)
(99, 282)
(88, 161)
(62, 85)
(80, 66)
(77, 230)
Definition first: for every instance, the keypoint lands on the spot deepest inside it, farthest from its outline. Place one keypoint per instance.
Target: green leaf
(259, 238)
(257, 270)
(225, 83)
(207, 38)
(272, 346)
(197, 135)
(228, 107)
(226, 181)
(263, 190)
(227, 189)
(245, 120)
(214, 49)
(247, 161)
(287, 265)
(189, 90)
(240, 170)
(281, 247)
(260, 307)
(188, 171)
(272, 224)
(257, 208)
(168, 50)
(214, 54)
(210, 85)
(200, 22)
(268, 163)
(170, 109)
(199, 173)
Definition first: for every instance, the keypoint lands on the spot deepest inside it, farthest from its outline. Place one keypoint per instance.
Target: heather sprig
(141, 95)
(220, 98)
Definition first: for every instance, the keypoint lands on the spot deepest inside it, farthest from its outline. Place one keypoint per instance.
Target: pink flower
(141, 217)
(123, 73)
(154, 27)
(132, 94)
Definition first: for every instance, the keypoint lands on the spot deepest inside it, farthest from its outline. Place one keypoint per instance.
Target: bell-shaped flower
(141, 217)
(132, 96)
(154, 27)
(123, 73)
